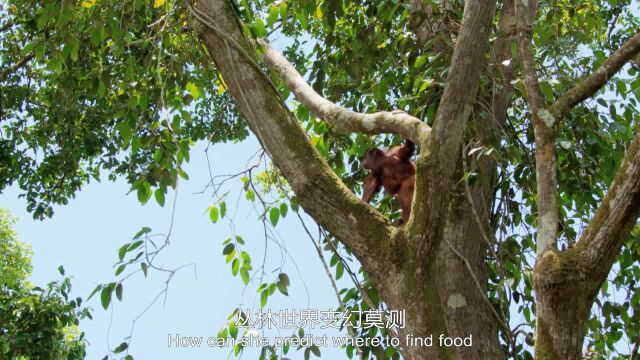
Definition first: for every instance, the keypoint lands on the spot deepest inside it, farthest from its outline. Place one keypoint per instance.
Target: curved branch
(616, 216)
(592, 83)
(543, 125)
(322, 194)
(397, 122)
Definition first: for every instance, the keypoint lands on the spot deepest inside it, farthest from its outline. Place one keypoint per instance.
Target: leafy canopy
(35, 323)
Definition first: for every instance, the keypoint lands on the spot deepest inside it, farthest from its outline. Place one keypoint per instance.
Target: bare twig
(592, 83)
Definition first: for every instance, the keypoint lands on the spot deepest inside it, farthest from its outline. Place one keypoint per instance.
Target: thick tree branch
(543, 121)
(566, 282)
(440, 153)
(15, 67)
(473, 240)
(397, 122)
(320, 191)
(616, 216)
(592, 83)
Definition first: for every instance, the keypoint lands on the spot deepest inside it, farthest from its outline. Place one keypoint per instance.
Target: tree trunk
(463, 289)
(562, 305)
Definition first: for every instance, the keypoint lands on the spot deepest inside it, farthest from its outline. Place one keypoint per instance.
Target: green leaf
(74, 45)
(144, 230)
(40, 51)
(98, 35)
(122, 251)
(244, 274)
(230, 256)
(264, 296)
(235, 266)
(527, 314)
(102, 88)
(283, 11)
(159, 195)
(315, 350)
(547, 90)
(261, 32)
(273, 15)
(120, 269)
(105, 296)
(55, 64)
(144, 193)
(95, 290)
(284, 209)
(284, 278)
(302, 19)
(274, 215)
(245, 257)
(144, 268)
(295, 203)
(233, 330)
(339, 271)
(61, 270)
(214, 214)
(183, 174)
(223, 209)
(119, 291)
(193, 90)
(282, 288)
(228, 249)
(134, 246)
(420, 62)
(122, 347)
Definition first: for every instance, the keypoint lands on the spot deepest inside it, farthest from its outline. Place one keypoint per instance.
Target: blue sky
(85, 234)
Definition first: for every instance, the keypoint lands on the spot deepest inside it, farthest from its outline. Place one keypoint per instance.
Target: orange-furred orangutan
(393, 170)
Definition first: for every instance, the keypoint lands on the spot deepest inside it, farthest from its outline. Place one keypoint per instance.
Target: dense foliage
(35, 323)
